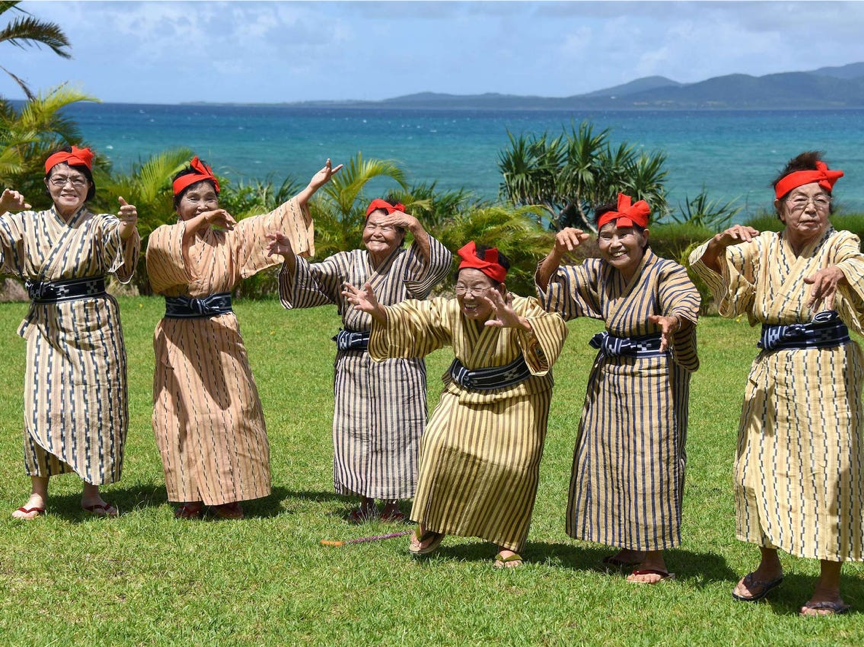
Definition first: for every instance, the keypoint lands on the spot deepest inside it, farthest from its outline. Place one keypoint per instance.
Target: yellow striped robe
(480, 454)
(799, 482)
(379, 408)
(207, 416)
(627, 480)
(76, 413)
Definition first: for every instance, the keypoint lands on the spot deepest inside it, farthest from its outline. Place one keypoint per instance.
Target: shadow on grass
(796, 589)
(697, 569)
(125, 499)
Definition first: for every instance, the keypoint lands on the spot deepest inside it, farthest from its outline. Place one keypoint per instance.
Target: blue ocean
(732, 154)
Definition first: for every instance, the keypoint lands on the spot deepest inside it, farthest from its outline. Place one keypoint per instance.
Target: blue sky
(170, 52)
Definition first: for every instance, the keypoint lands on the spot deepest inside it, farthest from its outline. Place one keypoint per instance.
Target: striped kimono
(480, 459)
(799, 478)
(627, 480)
(75, 407)
(380, 409)
(207, 416)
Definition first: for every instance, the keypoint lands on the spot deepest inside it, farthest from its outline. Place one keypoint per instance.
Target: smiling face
(623, 248)
(198, 198)
(471, 286)
(381, 239)
(804, 211)
(68, 188)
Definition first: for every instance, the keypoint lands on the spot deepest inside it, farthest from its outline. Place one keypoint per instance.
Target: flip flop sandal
(101, 510)
(436, 537)
(397, 516)
(187, 511)
(511, 561)
(232, 511)
(829, 608)
(39, 512)
(764, 588)
(358, 515)
(665, 576)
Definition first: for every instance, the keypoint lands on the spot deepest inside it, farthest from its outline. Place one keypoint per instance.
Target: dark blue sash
(647, 346)
(192, 308)
(57, 291)
(486, 379)
(352, 340)
(825, 330)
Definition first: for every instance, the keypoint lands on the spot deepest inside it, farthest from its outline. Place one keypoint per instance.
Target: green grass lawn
(147, 579)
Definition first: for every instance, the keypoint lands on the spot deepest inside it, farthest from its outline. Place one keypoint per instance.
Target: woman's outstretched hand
(128, 216)
(825, 283)
(323, 176)
(668, 327)
(364, 300)
(12, 201)
(502, 309)
(279, 244)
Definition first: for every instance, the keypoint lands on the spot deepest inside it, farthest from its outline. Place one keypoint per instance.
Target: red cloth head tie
(203, 172)
(627, 214)
(489, 265)
(378, 203)
(822, 175)
(78, 157)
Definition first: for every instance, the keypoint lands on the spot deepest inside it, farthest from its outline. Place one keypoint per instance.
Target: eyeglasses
(476, 290)
(78, 181)
(384, 229)
(819, 201)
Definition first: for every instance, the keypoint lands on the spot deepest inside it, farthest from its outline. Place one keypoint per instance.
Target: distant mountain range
(827, 87)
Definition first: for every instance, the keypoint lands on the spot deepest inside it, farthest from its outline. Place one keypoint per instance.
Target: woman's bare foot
(35, 507)
(651, 570)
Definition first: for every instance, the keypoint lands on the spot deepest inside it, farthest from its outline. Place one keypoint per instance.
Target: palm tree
(339, 208)
(569, 175)
(25, 30)
(29, 134)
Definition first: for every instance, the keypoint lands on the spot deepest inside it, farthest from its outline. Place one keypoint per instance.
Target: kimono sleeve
(413, 329)
(849, 301)
(248, 239)
(166, 267)
(677, 296)
(734, 288)
(313, 284)
(119, 256)
(541, 345)
(422, 275)
(572, 291)
(12, 243)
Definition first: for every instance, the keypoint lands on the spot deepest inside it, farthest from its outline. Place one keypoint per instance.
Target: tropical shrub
(571, 174)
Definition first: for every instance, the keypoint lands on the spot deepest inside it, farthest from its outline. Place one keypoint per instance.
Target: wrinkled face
(381, 239)
(199, 198)
(805, 210)
(471, 285)
(622, 248)
(68, 188)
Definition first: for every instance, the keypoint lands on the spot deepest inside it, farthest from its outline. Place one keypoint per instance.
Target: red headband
(627, 215)
(78, 157)
(378, 203)
(489, 265)
(822, 175)
(204, 173)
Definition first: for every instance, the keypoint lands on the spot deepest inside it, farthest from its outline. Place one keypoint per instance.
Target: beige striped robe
(628, 466)
(207, 417)
(480, 455)
(75, 408)
(380, 408)
(799, 482)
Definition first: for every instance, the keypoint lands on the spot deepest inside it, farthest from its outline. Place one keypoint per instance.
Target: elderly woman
(628, 469)
(380, 409)
(75, 380)
(799, 480)
(207, 416)
(480, 460)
